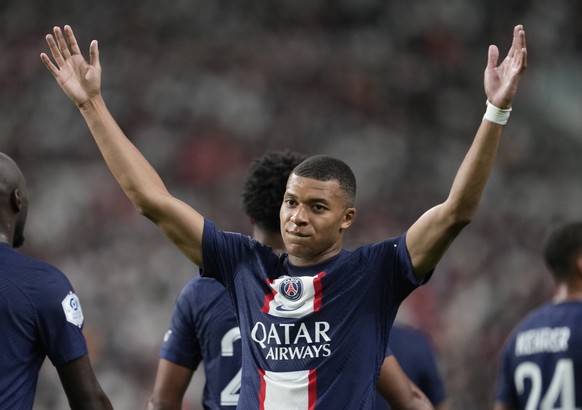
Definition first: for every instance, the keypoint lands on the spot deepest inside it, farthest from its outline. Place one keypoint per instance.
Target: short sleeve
(181, 344)
(59, 318)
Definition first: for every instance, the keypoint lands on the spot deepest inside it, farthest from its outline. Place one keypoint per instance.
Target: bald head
(13, 202)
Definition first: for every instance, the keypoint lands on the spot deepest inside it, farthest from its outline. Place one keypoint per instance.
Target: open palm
(501, 81)
(79, 79)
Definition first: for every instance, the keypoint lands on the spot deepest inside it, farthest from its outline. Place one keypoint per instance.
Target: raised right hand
(501, 80)
(80, 80)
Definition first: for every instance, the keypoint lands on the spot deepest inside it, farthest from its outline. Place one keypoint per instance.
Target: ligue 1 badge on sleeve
(72, 309)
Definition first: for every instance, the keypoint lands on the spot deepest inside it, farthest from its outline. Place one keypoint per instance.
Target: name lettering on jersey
(545, 339)
(292, 341)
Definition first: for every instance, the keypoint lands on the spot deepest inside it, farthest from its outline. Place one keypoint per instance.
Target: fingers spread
(73, 45)
(62, 43)
(56, 53)
(49, 64)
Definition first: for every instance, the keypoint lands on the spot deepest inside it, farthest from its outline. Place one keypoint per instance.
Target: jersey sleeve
(212, 248)
(395, 266)
(181, 344)
(59, 318)
(403, 249)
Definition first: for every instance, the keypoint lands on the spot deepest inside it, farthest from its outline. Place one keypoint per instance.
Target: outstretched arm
(81, 81)
(430, 236)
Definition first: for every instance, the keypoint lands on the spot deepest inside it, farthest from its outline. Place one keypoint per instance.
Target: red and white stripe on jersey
(308, 299)
(288, 390)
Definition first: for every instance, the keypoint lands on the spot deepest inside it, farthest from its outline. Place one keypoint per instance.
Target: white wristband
(496, 115)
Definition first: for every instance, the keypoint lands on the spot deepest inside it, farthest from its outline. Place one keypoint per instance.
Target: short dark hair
(326, 168)
(265, 186)
(561, 249)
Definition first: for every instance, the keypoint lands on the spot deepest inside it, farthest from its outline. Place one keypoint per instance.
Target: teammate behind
(40, 314)
(541, 361)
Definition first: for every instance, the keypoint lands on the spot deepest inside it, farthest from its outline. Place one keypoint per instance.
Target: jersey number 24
(561, 387)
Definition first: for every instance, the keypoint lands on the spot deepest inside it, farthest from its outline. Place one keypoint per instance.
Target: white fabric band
(496, 115)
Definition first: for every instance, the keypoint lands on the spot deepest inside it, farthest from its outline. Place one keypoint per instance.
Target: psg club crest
(291, 288)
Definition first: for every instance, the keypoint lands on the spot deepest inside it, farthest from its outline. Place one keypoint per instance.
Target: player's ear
(349, 217)
(16, 200)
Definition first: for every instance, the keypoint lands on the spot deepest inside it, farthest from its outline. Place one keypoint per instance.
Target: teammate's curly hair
(264, 188)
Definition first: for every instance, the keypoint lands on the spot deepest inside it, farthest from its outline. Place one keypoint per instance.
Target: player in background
(204, 325)
(541, 361)
(40, 314)
(416, 356)
(314, 321)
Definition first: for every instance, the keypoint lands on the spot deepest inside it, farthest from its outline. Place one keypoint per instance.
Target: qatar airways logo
(292, 341)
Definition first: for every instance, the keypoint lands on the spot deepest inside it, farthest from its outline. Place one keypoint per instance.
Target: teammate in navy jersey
(40, 315)
(541, 362)
(416, 356)
(204, 325)
(314, 321)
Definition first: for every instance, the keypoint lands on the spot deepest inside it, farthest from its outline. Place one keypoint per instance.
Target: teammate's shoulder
(540, 311)
(28, 281)
(18, 264)
(201, 285)
(551, 312)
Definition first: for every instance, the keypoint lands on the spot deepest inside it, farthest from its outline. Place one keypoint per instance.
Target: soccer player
(40, 314)
(314, 321)
(204, 325)
(541, 361)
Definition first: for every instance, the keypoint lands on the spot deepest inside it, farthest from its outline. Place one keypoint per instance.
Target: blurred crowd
(393, 87)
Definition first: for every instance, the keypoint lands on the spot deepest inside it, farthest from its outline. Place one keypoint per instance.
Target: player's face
(313, 217)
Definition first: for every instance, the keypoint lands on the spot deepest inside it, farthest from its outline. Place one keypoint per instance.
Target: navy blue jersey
(541, 362)
(40, 316)
(312, 337)
(204, 327)
(416, 356)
